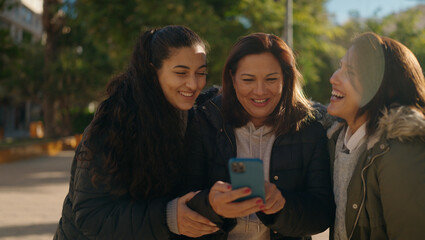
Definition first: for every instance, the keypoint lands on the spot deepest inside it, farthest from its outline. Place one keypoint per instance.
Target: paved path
(31, 196)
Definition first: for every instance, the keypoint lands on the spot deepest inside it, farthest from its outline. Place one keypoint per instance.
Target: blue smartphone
(247, 172)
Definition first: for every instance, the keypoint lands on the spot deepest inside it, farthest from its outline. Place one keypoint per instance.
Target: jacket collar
(213, 111)
(401, 122)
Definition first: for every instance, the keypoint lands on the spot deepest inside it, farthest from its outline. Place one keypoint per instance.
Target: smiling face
(258, 84)
(183, 76)
(346, 90)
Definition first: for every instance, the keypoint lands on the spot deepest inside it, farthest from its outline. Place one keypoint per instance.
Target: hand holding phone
(223, 201)
(247, 172)
(275, 200)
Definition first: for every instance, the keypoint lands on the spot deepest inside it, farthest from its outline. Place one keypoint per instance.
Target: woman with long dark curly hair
(127, 167)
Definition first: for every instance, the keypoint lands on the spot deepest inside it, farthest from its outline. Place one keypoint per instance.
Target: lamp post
(287, 29)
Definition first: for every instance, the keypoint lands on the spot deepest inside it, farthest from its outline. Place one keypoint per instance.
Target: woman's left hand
(191, 223)
(274, 199)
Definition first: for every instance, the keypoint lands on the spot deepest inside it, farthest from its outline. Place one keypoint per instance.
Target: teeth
(186, 94)
(259, 100)
(337, 94)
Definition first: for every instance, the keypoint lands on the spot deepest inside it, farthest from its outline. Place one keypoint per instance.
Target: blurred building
(23, 20)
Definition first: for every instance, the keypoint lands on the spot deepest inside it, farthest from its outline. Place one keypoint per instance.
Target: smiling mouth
(337, 94)
(260, 101)
(187, 94)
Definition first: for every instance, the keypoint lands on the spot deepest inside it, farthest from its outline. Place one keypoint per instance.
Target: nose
(192, 82)
(259, 88)
(334, 78)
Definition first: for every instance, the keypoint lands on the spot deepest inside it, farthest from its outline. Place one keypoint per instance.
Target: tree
(8, 52)
(114, 27)
(406, 27)
(74, 69)
(90, 40)
(52, 20)
(314, 43)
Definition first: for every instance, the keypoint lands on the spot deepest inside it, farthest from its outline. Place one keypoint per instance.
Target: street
(31, 196)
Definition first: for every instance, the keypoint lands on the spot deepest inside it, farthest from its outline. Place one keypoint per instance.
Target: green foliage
(314, 43)
(114, 26)
(408, 29)
(21, 69)
(405, 27)
(8, 53)
(82, 70)
(97, 37)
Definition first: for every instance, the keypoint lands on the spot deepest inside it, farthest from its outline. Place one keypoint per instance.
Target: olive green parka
(386, 193)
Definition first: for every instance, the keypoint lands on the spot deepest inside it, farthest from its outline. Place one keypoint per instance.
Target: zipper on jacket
(224, 129)
(364, 190)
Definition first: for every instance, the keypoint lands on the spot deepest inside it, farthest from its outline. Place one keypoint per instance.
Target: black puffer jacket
(299, 167)
(94, 213)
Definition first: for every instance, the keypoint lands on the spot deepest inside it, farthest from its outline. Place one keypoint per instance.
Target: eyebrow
(181, 66)
(250, 75)
(271, 74)
(186, 67)
(205, 65)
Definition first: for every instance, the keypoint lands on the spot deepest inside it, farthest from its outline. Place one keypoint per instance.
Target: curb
(39, 149)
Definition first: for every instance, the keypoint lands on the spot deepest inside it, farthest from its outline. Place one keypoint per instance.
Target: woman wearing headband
(378, 151)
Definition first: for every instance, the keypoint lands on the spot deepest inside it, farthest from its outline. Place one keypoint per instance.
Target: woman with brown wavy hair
(263, 114)
(127, 167)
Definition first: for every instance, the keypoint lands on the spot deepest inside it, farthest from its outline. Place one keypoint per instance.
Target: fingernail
(247, 190)
(259, 201)
(262, 206)
(229, 187)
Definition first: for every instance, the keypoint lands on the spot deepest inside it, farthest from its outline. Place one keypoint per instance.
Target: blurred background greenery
(87, 41)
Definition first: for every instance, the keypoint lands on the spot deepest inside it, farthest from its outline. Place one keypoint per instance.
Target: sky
(35, 5)
(368, 8)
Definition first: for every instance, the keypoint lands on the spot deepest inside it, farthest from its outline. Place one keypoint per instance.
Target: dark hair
(134, 143)
(292, 108)
(401, 83)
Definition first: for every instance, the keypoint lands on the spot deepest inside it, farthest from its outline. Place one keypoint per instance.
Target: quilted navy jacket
(299, 167)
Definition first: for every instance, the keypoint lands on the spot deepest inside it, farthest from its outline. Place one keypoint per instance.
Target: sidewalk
(31, 196)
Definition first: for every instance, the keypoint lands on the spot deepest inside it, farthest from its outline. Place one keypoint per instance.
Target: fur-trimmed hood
(401, 122)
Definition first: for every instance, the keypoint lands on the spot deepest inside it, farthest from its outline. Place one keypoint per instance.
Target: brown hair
(402, 82)
(292, 108)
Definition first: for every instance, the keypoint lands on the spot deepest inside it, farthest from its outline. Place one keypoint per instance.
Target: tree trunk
(64, 106)
(52, 25)
(49, 119)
